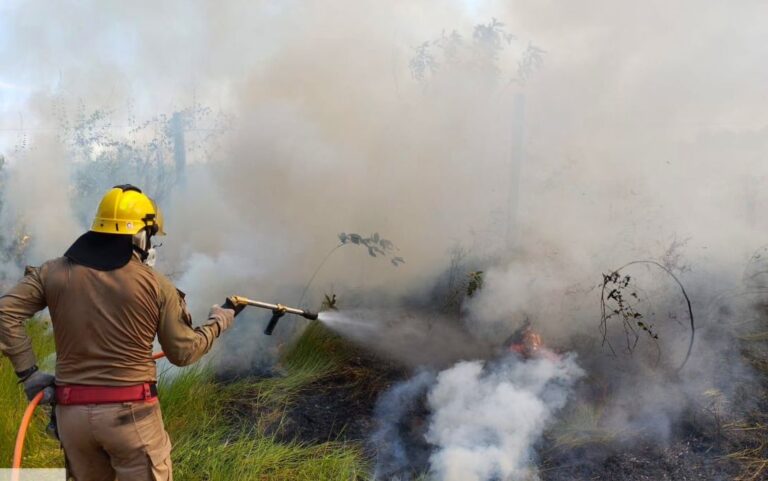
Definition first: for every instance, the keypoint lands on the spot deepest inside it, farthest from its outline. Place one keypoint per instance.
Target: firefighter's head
(126, 210)
(125, 222)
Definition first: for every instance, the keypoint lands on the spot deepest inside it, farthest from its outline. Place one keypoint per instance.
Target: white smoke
(396, 455)
(487, 418)
(638, 128)
(36, 201)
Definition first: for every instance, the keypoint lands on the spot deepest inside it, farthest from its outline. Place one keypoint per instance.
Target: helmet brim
(104, 252)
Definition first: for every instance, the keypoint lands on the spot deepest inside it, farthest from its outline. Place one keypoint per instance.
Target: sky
(661, 106)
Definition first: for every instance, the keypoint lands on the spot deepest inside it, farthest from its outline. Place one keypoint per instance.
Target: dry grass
(581, 426)
(748, 438)
(753, 460)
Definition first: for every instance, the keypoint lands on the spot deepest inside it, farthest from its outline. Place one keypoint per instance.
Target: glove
(222, 316)
(228, 304)
(40, 381)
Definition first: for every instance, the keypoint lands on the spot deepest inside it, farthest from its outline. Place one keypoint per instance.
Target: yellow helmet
(125, 209)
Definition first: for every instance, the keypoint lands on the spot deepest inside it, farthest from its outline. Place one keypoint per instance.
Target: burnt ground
(692, 457)
(685, 460)
(339, 406)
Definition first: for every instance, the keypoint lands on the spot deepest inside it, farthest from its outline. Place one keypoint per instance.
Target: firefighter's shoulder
(166, 285)
(55, 263)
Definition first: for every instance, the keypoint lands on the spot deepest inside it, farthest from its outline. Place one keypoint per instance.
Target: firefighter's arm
(19, 304)
(182, 343)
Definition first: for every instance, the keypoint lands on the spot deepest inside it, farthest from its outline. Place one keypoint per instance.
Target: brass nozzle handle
(278, 308)
(230, 304)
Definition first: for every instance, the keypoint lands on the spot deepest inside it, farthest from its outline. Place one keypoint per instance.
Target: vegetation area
(747, 437)
(41, 451)
(245, 428)
(718, 436)
(214, 438)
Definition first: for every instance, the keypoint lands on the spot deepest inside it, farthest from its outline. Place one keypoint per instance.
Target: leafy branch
(376, 245)
(623, 307)
(329, 303)
(481, 51)
(530, 61)
(474, 282)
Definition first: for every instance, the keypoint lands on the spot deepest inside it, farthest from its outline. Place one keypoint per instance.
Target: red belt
(76, 394)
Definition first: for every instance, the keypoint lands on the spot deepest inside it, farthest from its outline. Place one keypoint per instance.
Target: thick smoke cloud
(487, 418)
(644, 125)
(396, 454)
(626, 124)
(36, 203)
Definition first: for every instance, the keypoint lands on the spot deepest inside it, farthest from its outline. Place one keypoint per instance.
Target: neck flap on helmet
(104, 252)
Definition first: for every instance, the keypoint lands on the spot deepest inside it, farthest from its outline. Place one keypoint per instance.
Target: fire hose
(278, 311)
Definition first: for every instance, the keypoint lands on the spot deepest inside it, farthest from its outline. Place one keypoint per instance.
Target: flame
(529, 345)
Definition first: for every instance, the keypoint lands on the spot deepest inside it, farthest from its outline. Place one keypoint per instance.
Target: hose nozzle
(278, 311)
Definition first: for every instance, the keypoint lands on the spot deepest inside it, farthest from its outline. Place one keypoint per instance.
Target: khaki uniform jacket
(104, 322)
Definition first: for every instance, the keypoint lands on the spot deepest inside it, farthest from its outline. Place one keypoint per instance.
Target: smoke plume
(548, 143)
(487, 419)
(397, 456)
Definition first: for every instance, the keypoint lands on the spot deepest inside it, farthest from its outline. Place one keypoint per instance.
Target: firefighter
(106, 306)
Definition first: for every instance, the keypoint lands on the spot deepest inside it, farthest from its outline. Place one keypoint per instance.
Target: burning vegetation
(576, 411)
(513, 155)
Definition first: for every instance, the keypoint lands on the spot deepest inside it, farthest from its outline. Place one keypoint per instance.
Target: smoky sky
(645, 123)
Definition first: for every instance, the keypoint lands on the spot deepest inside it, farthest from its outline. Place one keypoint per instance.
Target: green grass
(40, 450)
(211, 440)
(315, 354)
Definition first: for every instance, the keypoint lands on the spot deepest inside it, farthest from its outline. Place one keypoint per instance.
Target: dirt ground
(340, 407)
(684, 460)
(335, 407)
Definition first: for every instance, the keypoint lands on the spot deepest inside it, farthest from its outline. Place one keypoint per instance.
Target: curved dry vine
(628, 313)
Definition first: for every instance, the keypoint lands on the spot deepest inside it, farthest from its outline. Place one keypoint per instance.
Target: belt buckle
(66, 392)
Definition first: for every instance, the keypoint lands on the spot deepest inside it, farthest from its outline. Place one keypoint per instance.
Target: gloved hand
(228, 304)
(222, 316)
(40, 381)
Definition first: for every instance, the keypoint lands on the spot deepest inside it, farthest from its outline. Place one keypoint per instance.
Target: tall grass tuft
(40, 450)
